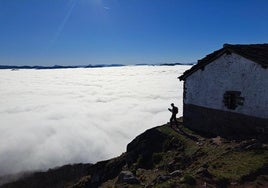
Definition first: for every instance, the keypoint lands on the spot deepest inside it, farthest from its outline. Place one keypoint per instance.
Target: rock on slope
(167, 157)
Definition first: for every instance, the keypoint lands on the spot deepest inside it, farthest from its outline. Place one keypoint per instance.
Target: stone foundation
(226, 124)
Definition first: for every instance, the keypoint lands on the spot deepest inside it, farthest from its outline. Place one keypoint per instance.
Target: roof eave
(201, 64)
(227, 48)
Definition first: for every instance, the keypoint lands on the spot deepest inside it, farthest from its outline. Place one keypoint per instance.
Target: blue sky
(81, 32)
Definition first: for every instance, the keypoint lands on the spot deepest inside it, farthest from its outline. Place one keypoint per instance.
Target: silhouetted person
(174, 112)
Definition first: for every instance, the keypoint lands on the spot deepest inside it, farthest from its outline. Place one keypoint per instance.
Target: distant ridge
(58, 66)
(173, 64)
(14, 67)
(164, 64)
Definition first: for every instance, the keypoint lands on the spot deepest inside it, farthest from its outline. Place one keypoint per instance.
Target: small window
(232, 99)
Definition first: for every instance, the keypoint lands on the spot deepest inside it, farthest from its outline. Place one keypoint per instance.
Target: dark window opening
(232, 99)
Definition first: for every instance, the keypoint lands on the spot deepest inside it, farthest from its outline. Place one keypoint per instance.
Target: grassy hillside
(166, 156)
(190, 160)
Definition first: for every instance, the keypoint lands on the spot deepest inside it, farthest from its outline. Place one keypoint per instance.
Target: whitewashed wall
(230, 73)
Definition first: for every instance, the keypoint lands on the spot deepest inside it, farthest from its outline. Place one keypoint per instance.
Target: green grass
(238, 164)
(223, 163)
(167, 184)
(190, 146)
(168, 130)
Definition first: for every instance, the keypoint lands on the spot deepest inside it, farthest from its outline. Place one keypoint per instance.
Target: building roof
(257, 53)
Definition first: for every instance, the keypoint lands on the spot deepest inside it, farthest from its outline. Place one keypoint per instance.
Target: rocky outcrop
(144, 146)
(127, 177)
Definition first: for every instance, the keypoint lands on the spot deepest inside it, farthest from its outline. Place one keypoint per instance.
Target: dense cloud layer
(52, 117)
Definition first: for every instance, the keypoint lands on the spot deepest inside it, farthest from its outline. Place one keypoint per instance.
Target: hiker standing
(174, 112)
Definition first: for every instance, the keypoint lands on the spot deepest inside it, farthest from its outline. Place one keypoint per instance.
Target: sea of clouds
(49, 118)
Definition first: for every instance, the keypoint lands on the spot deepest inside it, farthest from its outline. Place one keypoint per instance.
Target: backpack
(175, 110)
